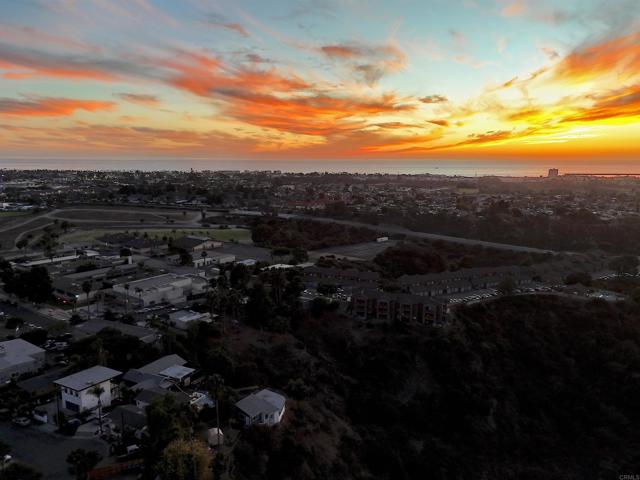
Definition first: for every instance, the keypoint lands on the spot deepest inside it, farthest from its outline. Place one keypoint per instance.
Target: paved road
(46, 451)
(192, 222)
(394, 229)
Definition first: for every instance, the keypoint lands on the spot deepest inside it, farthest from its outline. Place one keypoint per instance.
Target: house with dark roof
(19, 357)
(161, 373)
(137, 244)
(193, 243)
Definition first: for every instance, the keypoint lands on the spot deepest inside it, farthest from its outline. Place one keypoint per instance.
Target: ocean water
(467, 168)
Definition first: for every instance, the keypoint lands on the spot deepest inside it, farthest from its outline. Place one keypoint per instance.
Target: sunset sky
(321, 79)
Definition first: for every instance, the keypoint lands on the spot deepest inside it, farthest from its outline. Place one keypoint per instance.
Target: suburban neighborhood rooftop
(88, 378)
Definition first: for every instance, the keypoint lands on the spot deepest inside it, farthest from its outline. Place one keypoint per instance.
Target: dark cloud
(142, 99)
(312, 8)
(434, 99)
(216, 20)
(255, 58)
(369, 63)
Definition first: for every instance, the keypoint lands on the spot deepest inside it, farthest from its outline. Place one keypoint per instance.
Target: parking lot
(32, 319)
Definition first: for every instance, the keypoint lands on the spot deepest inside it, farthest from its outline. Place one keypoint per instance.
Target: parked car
(22, 421)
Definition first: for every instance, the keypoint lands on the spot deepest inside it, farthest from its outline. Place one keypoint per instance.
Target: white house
(18, 357)
(265, 407)
(76, 390)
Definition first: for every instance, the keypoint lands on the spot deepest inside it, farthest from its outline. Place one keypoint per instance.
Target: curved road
(422, 235)
(192, 222)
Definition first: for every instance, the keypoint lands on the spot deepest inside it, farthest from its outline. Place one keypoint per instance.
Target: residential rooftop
(87, 378)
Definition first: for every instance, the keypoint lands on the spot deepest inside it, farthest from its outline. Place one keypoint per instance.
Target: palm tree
(97, 392)
(126, 299)
(278, 282)
(139, 292)
(86, 288)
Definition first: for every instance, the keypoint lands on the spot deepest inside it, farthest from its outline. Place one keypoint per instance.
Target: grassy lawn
(4, 214)
(238, 234)
(6, 217)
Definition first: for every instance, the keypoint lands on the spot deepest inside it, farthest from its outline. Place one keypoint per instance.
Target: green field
(11, 213)
(237, 234)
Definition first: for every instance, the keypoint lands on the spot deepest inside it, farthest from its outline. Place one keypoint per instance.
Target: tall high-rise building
(553, 172)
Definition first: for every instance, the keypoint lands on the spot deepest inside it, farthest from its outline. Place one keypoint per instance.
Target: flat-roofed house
(19, 357)
(76, 390)
(166, 288)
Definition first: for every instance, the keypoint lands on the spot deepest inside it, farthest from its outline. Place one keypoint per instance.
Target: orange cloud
(514, 9)
(50, 107)
(442, 123)
(204, 76)
(619, 56)
(620, 103)
(340, 51)
(312, 115)
(20, 72)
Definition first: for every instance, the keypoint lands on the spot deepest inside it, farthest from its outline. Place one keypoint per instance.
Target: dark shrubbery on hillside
(432, 257)
(307, 234)
(521, 388)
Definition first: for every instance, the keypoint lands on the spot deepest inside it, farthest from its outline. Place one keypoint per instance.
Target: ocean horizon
(466, 168)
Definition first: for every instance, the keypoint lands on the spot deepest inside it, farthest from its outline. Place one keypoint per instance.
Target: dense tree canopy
(34, 284)
(522, 387)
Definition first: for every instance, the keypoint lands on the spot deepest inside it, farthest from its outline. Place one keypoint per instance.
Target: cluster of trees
(572, 231)
(513, 381)
(111, 348)
(82, 461)
(412, 258)
(33, 284)
(306, 234)
(171, 447)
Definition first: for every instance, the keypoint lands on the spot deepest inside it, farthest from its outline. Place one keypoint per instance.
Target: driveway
(46, 452)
